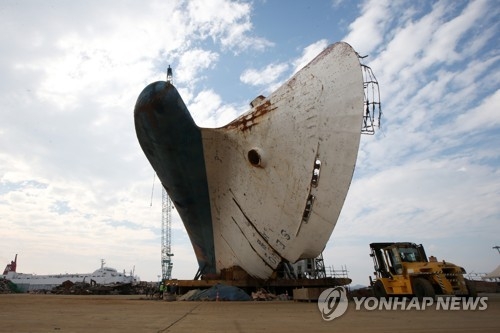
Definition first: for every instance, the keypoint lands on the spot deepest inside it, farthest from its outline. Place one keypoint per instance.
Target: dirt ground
(63, 313)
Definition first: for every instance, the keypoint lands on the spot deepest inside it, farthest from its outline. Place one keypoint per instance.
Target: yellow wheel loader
(403, 269)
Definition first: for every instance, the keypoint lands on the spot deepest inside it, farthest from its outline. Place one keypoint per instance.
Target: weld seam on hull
(254, 227)
(250, 244)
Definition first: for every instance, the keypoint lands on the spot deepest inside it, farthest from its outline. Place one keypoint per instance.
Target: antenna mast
(170, 76)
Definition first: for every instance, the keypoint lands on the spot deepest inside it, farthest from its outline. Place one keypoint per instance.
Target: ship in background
(102, 276)
(265, 190)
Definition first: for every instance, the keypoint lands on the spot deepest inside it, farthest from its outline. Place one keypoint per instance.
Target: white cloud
(447, 35)
(309, 53)
(208, 110)
(226, 21)
(265, 76)
(480, 118)
(192, 63)
(273, 74)
(366, 32)
(204, 106)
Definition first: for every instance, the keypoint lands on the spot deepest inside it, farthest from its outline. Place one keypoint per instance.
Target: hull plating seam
(250, 243)
(254, 227)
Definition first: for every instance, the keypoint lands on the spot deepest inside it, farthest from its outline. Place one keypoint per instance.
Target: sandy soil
(62, 313)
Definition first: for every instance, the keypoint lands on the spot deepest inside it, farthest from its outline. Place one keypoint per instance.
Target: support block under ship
(267, 188)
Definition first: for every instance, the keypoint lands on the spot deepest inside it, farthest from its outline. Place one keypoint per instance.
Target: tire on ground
(422, 288)
(379, 290)
(471, 288)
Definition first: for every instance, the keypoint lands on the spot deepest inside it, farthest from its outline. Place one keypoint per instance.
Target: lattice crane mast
(166, 236)
(166, 224)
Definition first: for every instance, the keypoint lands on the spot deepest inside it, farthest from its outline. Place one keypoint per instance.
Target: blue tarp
(225, 293)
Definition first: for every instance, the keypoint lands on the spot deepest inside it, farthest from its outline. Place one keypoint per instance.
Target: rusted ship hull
(269, 186)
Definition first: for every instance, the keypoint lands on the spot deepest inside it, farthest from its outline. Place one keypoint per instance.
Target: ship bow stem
(172, 143)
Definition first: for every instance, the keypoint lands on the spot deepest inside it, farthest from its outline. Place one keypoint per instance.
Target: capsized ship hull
(269, 186)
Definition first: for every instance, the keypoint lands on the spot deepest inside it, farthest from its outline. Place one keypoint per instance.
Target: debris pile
(83, 288)
(68, 287)
(7, 287)
(263, 295)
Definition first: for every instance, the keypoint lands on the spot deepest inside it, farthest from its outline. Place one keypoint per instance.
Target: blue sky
(75, 186)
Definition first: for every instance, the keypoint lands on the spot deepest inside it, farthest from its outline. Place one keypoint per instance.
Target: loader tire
(471, 288)
(379, 290)
(422, 288)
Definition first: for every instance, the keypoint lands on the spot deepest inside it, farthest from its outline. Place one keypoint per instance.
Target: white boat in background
(102, 276)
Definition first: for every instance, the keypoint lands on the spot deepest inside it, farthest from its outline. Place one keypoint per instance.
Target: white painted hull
(246, 192)
(102, 276)
(257, 210)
